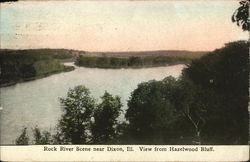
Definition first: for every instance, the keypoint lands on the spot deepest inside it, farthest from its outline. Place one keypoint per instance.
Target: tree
(103, 61)
(23, 139)
(134, 61)
(27, 71)
(41, 138)
(192, 102)
(152, 115)
(104, 127)
(220, 94)
(241, 15)
(74, 124)
(82, 122)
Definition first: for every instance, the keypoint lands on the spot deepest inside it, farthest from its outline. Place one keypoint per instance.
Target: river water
(37, 102)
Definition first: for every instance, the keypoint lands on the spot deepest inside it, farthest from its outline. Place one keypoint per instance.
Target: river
(37, 102)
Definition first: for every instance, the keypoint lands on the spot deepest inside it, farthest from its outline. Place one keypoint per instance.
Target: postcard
(124, 80)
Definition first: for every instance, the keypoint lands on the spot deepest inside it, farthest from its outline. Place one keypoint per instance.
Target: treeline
(208, 104)
(130, 62)
(42, 53)
(22, 65)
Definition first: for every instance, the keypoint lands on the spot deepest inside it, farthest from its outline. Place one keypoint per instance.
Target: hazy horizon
(119, 26)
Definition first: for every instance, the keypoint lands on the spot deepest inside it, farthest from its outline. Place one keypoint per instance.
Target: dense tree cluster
(104, 128)
(22, 65)
(211, 96)
(130, 62)
(152, 115)
(208, 104)
(221, 78)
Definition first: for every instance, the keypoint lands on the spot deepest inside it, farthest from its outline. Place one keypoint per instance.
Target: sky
(199, 25)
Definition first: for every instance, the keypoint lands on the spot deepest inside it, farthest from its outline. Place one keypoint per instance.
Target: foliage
(78, 109)
(22, 65)
(191, 101)
(105, 120)
(41, 138)
(23, 139)
(152, 116)
(130, 62)
(241, 15)
(83, 121)
(211, 95)
(221, 78)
